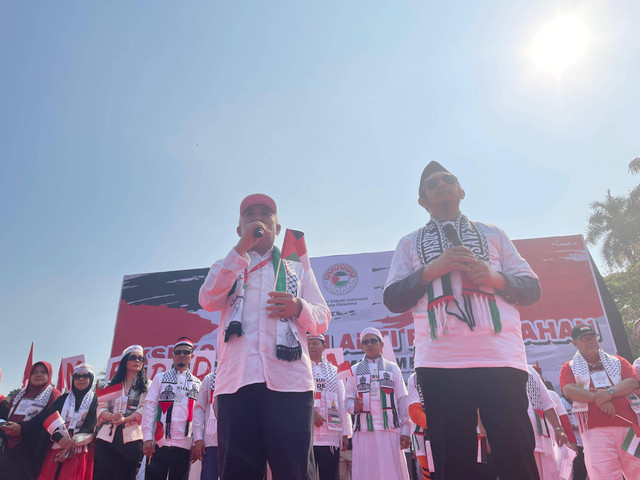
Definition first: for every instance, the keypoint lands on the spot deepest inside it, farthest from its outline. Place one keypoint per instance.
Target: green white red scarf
(453, 294)
(166, 399)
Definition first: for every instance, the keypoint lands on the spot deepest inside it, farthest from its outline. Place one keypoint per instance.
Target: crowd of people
(276, 407)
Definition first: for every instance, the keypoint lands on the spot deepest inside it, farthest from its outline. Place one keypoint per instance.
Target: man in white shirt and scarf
(377, 396)
(264, 386)
(460, 279)
(167, 421)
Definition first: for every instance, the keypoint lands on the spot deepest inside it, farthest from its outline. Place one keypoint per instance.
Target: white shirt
(401, 400)
(251, 358)
(322, 435)
(458, 346)
(204, 418)
(178, 417)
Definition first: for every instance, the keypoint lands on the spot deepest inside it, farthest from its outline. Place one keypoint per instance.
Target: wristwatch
(611, 391)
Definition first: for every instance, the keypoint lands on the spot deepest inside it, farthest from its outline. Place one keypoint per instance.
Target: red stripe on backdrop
(149, 325)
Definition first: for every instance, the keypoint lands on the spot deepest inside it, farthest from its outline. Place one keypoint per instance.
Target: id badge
(28, 409)
(600, 379)
(120, 405)
(375, 389)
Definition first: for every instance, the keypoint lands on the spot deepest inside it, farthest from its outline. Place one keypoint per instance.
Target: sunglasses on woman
(136, 358)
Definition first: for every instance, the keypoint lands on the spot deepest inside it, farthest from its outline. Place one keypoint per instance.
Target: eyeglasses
(435, 181)
(136, 358)
(81, 376)
(182, 352)
(372, 341)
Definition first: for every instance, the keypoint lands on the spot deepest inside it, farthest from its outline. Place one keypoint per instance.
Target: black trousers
(173, 461)
(117, 460)
(452, 398)
(257, 425)
(328, 462)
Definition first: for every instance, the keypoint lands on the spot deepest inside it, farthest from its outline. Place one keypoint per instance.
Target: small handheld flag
(294, 248)
(54, 422)
(109, 393)
(344, 371)
(631, 443)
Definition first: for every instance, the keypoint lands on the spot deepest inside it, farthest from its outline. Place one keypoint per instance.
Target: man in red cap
(601, 387)
(264, 385)
(460, 279)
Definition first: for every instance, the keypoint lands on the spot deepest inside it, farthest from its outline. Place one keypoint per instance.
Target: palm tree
(634, 167)
(616, 221)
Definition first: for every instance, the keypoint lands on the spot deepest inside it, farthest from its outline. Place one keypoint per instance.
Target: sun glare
(560, 44)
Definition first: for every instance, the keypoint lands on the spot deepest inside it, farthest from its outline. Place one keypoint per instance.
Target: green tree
(625, 289)
(615, 222)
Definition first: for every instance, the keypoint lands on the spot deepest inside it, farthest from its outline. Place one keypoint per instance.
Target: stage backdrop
(157, 308)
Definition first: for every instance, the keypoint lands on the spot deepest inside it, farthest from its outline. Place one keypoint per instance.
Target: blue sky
(131, 131)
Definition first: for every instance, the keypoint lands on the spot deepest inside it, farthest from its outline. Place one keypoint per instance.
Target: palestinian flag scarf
(387, 397)
(453, 294)
(288, 346)
(167, 398)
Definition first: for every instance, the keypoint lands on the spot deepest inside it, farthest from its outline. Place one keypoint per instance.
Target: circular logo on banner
(340, 279)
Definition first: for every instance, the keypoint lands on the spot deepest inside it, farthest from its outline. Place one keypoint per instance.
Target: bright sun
(560, 43)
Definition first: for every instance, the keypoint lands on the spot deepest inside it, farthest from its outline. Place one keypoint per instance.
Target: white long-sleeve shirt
(458, 346)
(204, 418)
(401, 400)
(178, 417)
(251, 358)
(322, 435)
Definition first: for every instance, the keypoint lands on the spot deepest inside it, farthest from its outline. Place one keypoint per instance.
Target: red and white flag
(53, 423)
(109, 393)
(27, 367)
(344, 371)
(294, 248)
(60, 383)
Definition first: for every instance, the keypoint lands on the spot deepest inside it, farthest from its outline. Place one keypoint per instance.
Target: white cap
(370, 330)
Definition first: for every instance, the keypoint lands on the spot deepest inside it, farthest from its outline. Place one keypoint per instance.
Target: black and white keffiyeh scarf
(288, 346)
(533, 393)
(453, 294)
(72, 417)
(580, 369)
(167, 397)
(387, 396)
(38, 403)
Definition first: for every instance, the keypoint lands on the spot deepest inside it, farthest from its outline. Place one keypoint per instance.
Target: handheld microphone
(258, 232)
(452, 235)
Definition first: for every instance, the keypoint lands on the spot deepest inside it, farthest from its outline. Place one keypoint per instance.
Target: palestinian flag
(631, 442)
(344, 371)
(109, 393)
(294, 248)
(340, 278)
(53, 423)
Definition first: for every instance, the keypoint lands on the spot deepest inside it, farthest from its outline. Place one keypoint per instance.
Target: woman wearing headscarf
(26, 442)
(70, 456)
(119, 436)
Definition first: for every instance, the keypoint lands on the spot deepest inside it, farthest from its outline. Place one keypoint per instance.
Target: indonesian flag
(53, 423)
(109, 393)
(344, 371)
(317, 399)
(294, 248)
(27, 367)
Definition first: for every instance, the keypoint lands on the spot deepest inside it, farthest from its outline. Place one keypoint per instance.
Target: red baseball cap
(258, 199)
